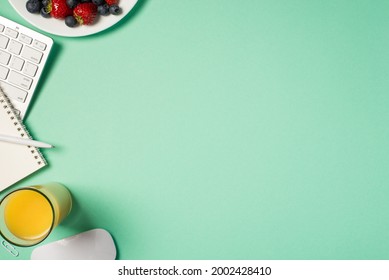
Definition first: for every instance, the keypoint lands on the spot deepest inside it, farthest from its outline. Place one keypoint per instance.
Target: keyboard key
(30, 69)
(3, 72)
(17, 63)
(3, 42)
(11, 33)
(32, 55)
(19, 80)
(23, 54)
(4, 57)
(25, 39)
(14, 93)
(15, 47)
(39, 45)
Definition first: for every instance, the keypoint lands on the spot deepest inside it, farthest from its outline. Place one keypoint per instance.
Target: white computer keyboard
(23, 54)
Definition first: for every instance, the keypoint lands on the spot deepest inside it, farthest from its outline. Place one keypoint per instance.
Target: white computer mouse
(95, 244)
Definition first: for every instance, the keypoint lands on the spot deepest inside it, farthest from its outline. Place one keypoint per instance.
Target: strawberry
(112, 2)
(59, 9)
(85, 13)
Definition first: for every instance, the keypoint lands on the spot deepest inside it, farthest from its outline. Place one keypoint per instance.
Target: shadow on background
(50, 64)
(80, 221)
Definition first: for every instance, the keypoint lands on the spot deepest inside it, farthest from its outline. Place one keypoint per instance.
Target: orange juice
(28, 215)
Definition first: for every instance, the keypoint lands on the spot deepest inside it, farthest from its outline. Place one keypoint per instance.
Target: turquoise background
(223, 129)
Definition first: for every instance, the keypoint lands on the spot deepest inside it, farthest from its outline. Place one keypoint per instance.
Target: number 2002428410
(263, 271)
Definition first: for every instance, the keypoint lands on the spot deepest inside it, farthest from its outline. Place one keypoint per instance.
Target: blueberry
(72, 3)
(103, 9)
(98, 2)
(71, 21)
(45, 13)
(33, 6)
(45, 3)
(115, 9)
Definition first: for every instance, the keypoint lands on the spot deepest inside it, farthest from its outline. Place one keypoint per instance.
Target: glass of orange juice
(29, 214)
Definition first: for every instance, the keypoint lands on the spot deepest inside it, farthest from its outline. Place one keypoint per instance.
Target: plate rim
(126, 5)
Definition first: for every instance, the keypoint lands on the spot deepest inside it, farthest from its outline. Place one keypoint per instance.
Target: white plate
(58, 27)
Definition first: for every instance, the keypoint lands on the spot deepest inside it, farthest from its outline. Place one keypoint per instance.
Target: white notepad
(16, 161)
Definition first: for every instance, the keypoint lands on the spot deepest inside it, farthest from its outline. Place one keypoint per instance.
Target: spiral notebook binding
(20, 127)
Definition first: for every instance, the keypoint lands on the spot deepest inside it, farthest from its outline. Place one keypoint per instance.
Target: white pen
(24, 141)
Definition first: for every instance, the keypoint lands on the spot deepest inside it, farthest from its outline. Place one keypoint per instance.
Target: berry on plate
(74, 12)
(72, 3)
(114, 9)
(45, 13)
(59, 9)
(111, 2)
(98, 2)
(103, 9)
(71, 21)
(33, 6)
(85, 13)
